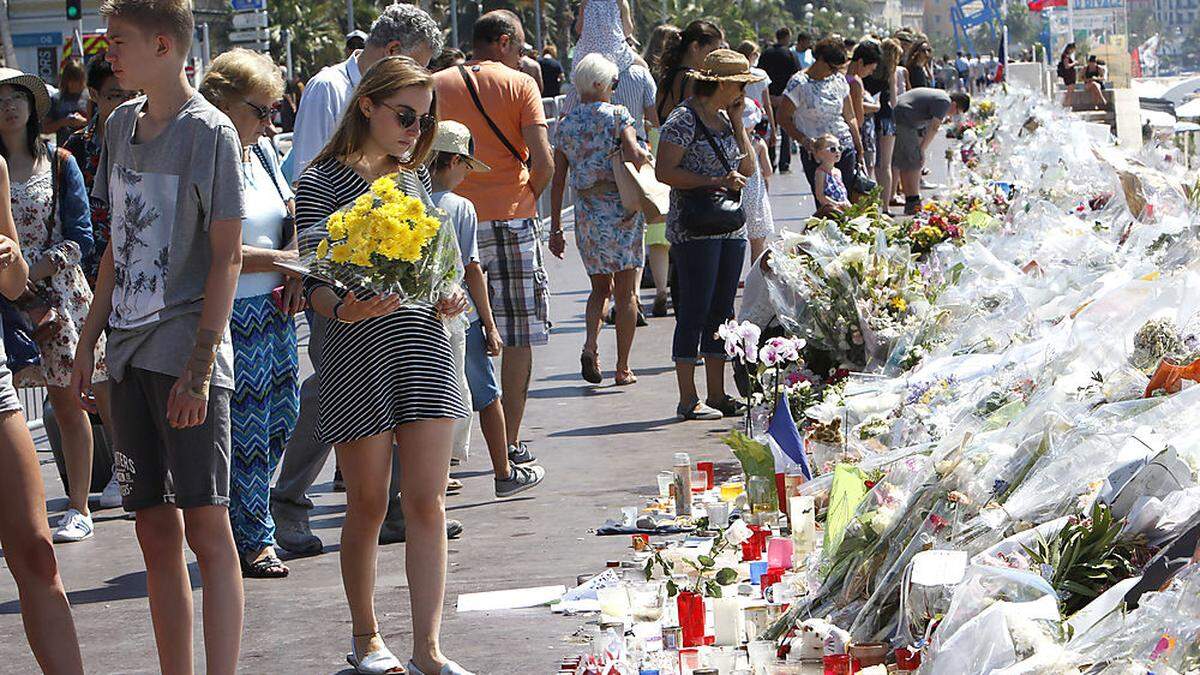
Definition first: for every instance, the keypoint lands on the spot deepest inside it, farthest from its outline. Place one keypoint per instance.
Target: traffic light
(74, 10)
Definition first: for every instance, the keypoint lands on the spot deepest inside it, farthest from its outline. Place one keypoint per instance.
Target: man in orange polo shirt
(511, 138)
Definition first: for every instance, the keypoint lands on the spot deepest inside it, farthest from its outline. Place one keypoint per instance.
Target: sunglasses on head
(408, 117)
(262, 112)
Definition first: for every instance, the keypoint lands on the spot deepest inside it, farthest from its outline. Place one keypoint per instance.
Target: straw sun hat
(725, 65)
(41, 98)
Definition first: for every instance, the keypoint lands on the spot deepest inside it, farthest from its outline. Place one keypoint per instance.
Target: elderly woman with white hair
(610, 241)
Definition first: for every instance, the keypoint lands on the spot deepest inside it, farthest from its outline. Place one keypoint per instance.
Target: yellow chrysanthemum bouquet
(388, 243)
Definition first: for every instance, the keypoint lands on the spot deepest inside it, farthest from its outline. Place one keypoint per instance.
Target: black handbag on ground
(708, 212)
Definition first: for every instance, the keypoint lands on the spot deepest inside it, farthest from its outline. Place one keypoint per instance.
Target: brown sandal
(589, 363)
(625, 377)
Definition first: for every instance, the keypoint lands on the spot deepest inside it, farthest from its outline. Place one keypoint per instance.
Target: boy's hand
(558, 243)
(184, 408)
(81, 376)
(493, 341)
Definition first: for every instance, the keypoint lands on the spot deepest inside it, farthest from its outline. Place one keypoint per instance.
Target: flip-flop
(589, 363)
(377, 662)
(266, 567)
(625, 377)
(454, 485)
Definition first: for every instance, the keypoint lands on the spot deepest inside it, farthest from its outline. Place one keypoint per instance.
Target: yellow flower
(385, 188)
(337, 226)
(899, 304)
(323, 249)
(412, 208)
(362, 258)
(341, 253)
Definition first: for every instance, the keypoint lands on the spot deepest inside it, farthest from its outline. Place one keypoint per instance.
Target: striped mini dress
(377, 374)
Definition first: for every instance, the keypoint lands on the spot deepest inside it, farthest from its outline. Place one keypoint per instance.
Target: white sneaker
(73, 527)
(111, 497)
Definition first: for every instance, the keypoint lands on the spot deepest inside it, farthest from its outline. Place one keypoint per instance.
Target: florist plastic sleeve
(387, 243)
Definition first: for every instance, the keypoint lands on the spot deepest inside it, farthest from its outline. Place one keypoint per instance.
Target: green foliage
(1085, 558)
(755, 457)
(753, 20)
(709, 579)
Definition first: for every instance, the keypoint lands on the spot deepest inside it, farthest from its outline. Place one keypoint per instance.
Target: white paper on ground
(587, 590)
(517, 598)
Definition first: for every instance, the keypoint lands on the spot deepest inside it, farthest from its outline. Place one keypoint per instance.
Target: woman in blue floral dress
(610, 241)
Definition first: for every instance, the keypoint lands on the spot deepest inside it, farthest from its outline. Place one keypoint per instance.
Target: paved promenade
(601, 445)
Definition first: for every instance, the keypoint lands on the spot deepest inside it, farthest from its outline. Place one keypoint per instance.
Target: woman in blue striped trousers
(245, 86)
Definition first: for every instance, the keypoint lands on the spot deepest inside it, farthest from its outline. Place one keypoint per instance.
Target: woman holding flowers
(388, 374)
(245, 85)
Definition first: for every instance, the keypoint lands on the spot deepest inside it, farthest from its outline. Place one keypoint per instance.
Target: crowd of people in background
(149, 235)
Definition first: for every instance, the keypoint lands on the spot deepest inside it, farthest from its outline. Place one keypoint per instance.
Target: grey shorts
(907, 155)
(159, 464)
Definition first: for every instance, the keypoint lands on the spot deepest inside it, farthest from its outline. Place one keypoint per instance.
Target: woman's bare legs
(883, 166)
(367, 469)
(601, 289)
(625, 289)
(29, 554)
(424, 456)
(660, 258)
(77, 446)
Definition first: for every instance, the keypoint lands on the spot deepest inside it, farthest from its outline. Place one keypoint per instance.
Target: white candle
(804, 527)
(727, 622)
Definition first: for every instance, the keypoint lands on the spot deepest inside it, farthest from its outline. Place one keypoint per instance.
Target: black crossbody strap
(266, 163)
(713, 142)
(479, 106)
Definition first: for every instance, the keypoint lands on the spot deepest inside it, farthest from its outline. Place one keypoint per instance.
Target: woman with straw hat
(704, 146)
(24, 534)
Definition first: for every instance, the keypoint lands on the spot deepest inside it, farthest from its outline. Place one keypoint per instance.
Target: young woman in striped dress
(388, 373)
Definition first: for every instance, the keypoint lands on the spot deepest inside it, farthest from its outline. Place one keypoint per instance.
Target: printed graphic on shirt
(142, 214)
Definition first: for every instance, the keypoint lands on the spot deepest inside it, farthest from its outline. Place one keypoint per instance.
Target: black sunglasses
(409, 117)
(262, 112)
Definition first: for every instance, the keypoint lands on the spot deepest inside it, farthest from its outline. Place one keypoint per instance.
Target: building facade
(1181, 14)
(937, 21)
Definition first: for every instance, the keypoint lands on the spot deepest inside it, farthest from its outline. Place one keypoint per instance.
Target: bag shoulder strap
(712, 141)
(58, 157)
(479, 106)
(266, 162)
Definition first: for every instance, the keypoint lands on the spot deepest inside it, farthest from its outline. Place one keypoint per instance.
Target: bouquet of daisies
(386, 242)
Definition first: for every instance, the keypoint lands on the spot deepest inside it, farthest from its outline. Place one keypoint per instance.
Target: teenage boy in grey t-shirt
(169, 171)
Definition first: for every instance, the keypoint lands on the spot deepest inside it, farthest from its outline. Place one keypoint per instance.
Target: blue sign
(248, 5)
(1097, 4)
(37, 40)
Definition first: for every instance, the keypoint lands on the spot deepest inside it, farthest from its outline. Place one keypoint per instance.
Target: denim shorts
(481, 374)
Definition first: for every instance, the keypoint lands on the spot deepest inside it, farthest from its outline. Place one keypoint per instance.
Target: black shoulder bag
(289, 221)
(495, 129)
(711, 211)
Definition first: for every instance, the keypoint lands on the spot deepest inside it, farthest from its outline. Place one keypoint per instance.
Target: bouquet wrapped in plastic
(386, 242)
